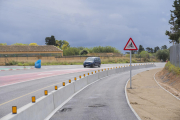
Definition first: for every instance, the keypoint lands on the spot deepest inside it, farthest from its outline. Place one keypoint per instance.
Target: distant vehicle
(92, 61)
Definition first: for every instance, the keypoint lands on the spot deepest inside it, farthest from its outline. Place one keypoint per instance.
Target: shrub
(162, 54)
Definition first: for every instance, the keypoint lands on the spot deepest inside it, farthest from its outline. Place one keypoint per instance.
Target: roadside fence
(175, 55)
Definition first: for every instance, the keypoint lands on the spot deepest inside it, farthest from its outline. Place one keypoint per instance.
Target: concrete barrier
(102, 74)
(34, 111)
(92, 78)
(79, 84)
(112, 71)
(63, 93)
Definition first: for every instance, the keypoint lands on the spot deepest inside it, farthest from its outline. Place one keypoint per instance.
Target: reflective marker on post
(75, 78)
(80, 76)
(63, 83)
(84, 75)
(45, 92)
(88, 73)
(56, 87)
(69, 80)
(14, 109)
(91, 72)
(33, 99)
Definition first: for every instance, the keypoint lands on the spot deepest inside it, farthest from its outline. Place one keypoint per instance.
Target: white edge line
(129, 103)
(164, 88)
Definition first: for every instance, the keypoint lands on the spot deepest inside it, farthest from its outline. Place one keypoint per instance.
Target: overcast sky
(86, 23)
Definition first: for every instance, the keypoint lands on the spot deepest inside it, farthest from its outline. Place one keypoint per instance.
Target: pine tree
(141, 48)
(174, 21)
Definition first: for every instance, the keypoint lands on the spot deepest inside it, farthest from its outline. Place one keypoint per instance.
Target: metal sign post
(130, 46)
(130, 71)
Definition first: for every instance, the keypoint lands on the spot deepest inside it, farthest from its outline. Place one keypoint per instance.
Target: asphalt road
(18, 86)
(103, 100)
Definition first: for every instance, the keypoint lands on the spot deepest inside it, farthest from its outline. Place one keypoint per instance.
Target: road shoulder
(149, 100)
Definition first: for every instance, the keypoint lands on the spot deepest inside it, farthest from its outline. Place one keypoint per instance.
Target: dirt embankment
(149, 100)
(169, 81)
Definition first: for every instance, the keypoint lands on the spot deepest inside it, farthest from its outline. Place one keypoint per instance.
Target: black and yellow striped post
(63, 83)
(55, 87)
(33, 99)
(45, 92)
(14, 109)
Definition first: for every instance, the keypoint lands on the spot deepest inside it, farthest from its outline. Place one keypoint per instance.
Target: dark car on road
(92, 61)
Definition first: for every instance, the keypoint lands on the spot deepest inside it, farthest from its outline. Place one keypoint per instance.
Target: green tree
(141, 48)
(163, 54)
(174, 21)
(3, 44)
(149, 50)
(50, 40)
(145, 55)
(163, 47)
(156, 49)
(83, 52)
(71, 51)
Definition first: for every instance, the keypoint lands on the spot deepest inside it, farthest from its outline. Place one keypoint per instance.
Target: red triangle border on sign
(132, 42)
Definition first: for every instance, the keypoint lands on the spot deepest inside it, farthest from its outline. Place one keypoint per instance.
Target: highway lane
(103, 100)
(20, 94)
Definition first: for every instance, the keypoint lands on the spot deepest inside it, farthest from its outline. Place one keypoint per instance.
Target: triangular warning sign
(130, 45)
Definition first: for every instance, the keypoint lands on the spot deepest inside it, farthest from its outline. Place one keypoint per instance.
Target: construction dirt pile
(149, 100)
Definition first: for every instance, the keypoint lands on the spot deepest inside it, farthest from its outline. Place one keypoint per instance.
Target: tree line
(174, 33)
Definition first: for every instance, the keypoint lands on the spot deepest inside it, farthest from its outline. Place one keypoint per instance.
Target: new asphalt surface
(103, 100)
(19, 93)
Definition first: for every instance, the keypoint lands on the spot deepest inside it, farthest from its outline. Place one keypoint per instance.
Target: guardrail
(39, 109)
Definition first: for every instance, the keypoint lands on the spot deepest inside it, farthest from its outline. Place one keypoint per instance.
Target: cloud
(86, 23)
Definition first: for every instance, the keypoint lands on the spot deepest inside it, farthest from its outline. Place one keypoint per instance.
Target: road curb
(129, 103)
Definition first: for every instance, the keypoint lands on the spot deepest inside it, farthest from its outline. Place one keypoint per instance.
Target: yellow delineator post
(45, 92)
(105, 69)
(69, 80)
(33, 99)
(108, 68)
(84, 75)
(63, 83)
(102, 69)
(75, 78)
(95, 71)
(91, 72)
(55, 87)
(80, 76)
(14, 109)
(88, 73)
(98, 70)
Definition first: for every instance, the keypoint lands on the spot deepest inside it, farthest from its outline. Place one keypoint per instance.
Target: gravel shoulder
(149, 100)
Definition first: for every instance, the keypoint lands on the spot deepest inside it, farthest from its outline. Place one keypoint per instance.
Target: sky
(86, 23)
